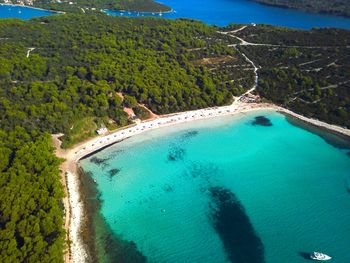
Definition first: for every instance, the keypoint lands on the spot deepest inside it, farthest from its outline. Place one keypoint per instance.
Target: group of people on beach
(167, 120)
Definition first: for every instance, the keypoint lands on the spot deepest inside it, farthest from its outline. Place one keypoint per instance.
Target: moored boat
(319, 256)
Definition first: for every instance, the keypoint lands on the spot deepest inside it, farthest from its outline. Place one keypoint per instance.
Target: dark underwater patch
(176, 154)
(121, 250)
(98, 161)
(189, 135)
(262, 121)
(168, 188)
(103, 161)
(88, 173)
(348, 154)
(234, 228)
(203, 170)
(113, 172)
(348, 185)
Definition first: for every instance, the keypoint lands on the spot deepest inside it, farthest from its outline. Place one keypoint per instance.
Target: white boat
(320, 256)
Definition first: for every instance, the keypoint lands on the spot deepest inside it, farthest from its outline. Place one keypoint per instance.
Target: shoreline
(33, 7)
(74, 207)
(138, 12)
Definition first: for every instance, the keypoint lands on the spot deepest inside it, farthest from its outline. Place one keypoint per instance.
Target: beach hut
(102, 130)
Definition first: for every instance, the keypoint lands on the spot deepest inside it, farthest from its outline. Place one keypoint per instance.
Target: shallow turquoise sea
(227, 190)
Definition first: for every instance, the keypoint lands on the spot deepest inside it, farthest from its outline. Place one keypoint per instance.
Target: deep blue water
(20, 12)
(215, 12)
(224, 12)
(234, 189)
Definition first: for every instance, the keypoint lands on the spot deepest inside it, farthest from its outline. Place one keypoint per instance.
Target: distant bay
(224, 12)
(213, 12)
(22, 12)
(251, 188)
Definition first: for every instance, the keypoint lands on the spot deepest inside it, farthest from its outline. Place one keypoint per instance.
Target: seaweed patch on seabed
(262, 121)
(204, 171)
(113, 172)
(168, 188)
(119, 250)
(98, 161)
(103, 161)
(176, 153)
(234, 228)
(188, 135)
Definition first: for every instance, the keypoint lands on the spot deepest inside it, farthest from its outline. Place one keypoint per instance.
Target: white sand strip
(78, 251)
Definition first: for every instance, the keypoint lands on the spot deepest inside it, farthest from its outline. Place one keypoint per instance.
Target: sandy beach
(73, 203)
(140, 13)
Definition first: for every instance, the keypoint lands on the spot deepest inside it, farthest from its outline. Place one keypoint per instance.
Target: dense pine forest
(58, 71)
(334, 7)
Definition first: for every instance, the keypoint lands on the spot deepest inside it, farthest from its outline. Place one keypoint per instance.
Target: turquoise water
(226, 190)
(224, 12)
(21, 12)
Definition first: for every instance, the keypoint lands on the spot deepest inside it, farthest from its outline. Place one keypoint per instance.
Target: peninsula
(92, 6)
(335, 7)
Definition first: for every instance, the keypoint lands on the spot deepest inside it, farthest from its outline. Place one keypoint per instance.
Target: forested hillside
(77, 74)
(130, 5)
(305, 71)
(58, 70)
(334, 7)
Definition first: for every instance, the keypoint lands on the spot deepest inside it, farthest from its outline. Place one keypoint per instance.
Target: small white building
(102, 130)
